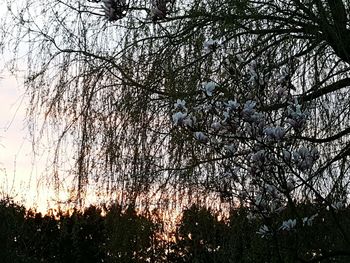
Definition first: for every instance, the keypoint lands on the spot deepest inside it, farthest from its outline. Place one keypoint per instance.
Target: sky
(23, 175)
(20, 171)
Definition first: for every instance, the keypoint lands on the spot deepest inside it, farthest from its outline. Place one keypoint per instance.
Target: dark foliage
(122, 235)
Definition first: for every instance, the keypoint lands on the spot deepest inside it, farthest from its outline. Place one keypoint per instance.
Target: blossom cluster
(251, 132)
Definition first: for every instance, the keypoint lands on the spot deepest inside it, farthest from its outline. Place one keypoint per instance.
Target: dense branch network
(245, 100)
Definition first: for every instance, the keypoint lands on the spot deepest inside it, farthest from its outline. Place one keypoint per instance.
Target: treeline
(116, 235)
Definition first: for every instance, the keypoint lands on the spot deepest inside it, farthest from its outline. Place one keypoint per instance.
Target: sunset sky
(22, 174)
(19, 172)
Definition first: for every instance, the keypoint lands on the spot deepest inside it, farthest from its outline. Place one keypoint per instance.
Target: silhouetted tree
(200, 236)
(129, 236)
(11, 223)
(243, 100)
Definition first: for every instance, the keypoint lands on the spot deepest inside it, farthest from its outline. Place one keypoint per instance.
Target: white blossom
(180, 105)
(240, 58)
(253, 78)
(232, 105)
(288, 225)
(253, 64)
(114, 9)
(261, 201)
(218, 104)
(227, 174)
(211, 45)
(315, 154)
(338, 205)
(287, 156)
(226, 115)
(290, 184)
(159, 9)
(200, 136)
(308, 221)
(257, 118)
(252, 71)
(188, 122)
(179, 117)
(264, 231)
(248, 109)
(249, 106)
(296, 118)
(275, 133)
(258, 158)
(304, 158)
(271, 189)
(209, 87)
(284, 74)
(158, 13)
(216, 126)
